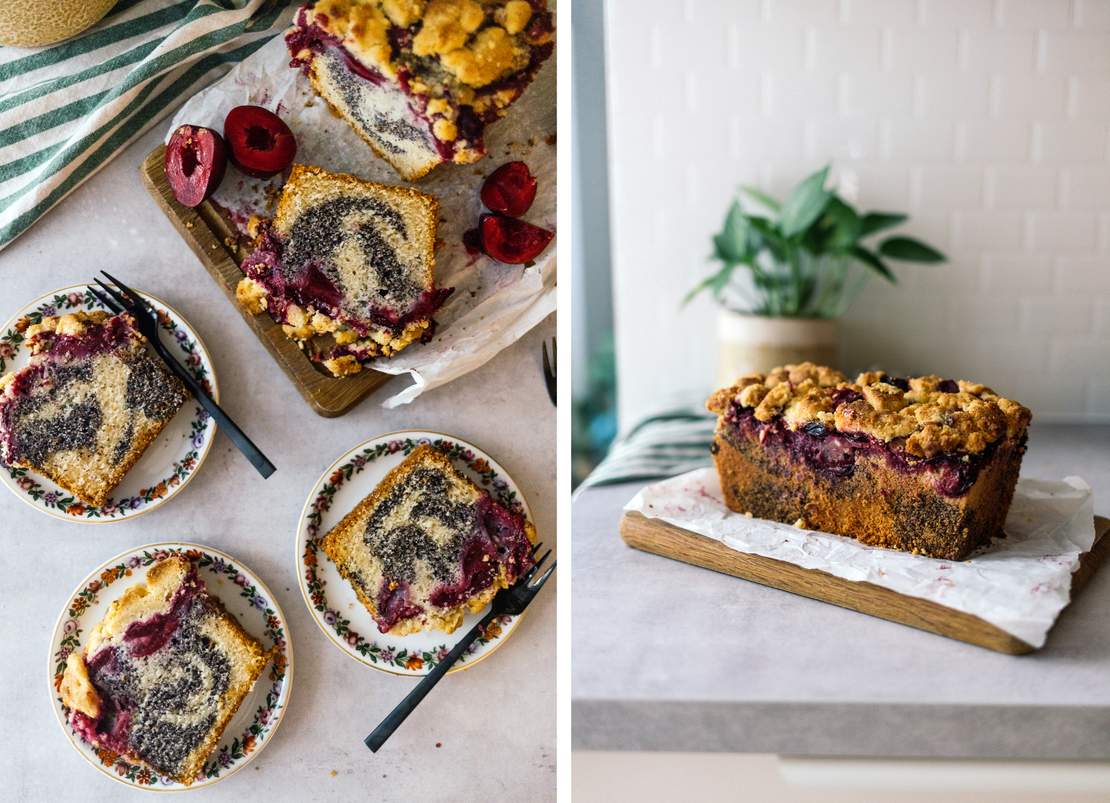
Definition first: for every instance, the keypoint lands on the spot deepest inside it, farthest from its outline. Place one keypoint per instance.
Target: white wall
(987, 120)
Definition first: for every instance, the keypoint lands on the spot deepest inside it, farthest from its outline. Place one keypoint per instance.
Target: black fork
(549, 366)
(512, 601)
(122, 298)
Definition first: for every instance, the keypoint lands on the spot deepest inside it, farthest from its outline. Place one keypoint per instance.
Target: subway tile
(990, 231)
(1085, 274)
(1085, 187)
(1056, 315)
(995, 141)
(951, 187)
(1034, 14)
(802, 95)
(880, 12)
(1006, 52)
(1063, 231)
(1023, 188)
(877, 94)
(842, 49)
(915, 49)
(920, 141)
(1092, 15)
(1040, 97)
(1090, 96)
(803, 12)
(1022, 274)
(832, 139)
(1071, 142)
(958, 13)
(1076, 52)
(763, 48)
(954, 95)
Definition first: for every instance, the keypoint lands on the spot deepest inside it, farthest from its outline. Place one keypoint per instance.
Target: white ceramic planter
(756, 343)
(33, 23)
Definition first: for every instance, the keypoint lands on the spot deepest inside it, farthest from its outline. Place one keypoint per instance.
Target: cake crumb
(801, 524)
(439, 744)
(333, 773)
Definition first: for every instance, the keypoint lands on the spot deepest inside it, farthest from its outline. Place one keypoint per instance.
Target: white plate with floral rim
(244, 596)
(331, 600)
(168, 463)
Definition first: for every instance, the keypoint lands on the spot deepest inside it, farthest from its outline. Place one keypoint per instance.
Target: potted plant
(789, 270)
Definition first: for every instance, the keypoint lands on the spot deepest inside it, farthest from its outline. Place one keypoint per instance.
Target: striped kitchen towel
(68, 109)
(667, 443)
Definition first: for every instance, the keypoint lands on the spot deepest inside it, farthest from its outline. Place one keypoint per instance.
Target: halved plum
(261, 144)
(512, 241)
(510, 189)
(195, 161)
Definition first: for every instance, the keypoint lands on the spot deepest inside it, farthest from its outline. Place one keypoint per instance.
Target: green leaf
(715, 282)
(762, 197)
(909, 250)
(770, 236)
(873, 261)
(733, 244)
(877, 221)
(847, 226)
(805, 204)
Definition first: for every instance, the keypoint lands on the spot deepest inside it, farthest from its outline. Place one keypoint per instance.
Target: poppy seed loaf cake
(921, 464)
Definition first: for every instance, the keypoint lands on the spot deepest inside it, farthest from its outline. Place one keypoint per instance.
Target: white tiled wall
(987, 120)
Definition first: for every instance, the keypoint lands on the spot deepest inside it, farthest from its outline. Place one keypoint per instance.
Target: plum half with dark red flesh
(512, 241)
(261, 143)
(510, 189)
(195, 162)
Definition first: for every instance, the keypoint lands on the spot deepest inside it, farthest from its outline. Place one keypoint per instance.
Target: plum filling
(160, 687)
(292, 274)
(833, 454)
(464, 546)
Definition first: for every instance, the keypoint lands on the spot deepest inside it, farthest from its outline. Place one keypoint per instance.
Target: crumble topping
(932, 414)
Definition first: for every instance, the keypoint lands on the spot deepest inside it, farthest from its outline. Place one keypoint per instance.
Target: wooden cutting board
(211, 235)
(661, 538)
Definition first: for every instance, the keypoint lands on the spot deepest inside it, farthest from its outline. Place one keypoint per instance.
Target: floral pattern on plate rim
(12, 339)
(226, 755)
(412, 661)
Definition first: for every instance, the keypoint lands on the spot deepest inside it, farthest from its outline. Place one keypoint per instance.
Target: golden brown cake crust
(967, 417)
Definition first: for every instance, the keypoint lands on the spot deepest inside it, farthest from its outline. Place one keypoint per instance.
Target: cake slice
(88, 404)
(923, 464)
(162, 674)
(419, 80)
(350, 259)
(428, 545)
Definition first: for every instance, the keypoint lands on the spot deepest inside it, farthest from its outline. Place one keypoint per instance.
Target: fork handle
(399, 714)
(223, 421)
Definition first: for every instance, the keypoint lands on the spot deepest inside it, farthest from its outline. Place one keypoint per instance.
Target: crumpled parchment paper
(493, 304)
(1019, 583)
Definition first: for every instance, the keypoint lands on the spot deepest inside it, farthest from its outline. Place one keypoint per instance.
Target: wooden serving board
(661, 538)
(213, 238)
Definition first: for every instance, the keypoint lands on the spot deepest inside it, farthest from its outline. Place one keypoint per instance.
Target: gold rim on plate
(458, 667)
(287, 682)
(213, 381)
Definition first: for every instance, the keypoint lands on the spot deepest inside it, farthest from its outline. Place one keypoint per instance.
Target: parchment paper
(1019, 583)
(493, 304)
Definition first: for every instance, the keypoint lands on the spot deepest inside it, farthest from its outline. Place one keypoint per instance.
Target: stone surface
(493, 746)
(674, 657)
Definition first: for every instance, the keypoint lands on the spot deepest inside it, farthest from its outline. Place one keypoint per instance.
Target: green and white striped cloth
(671, 442)
(68, 109)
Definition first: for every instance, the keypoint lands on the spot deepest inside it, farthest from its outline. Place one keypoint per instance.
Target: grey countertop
(495, 722)
(668, 656)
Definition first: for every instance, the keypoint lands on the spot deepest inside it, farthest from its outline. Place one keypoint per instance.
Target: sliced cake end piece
(88, 404)
(349, 259)
(428, 545)
(162, 673)
(419, 81)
